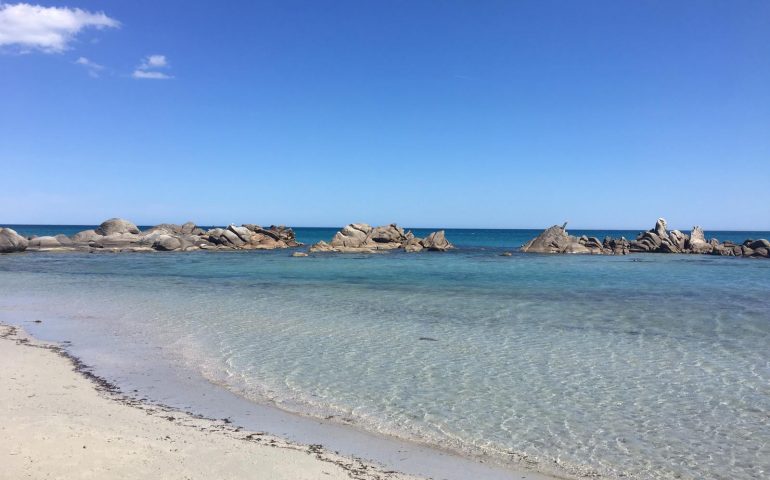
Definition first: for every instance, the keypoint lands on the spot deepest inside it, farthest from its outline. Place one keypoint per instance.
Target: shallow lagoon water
(649, 366)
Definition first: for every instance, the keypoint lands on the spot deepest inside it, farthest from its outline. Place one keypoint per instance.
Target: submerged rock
(413, 247)
(321, 247)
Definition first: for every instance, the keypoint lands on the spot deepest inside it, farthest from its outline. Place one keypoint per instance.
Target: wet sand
(57, 421)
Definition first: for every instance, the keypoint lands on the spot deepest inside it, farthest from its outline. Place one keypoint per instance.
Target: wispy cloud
(93, 68)
(150, 75)
(150, 68)
(47, 29)
(154, 61)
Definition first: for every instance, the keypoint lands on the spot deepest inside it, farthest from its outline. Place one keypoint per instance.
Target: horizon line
(6, 225)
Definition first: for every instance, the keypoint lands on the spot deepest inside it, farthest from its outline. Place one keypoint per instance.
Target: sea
(645, 366)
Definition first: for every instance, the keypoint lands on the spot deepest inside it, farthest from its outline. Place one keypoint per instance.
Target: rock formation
(252, 237)
(117, 235)
(10, 241)
(616, 246)
(556, 240)
(40, 243)
(117, 226)
(363, 238)
(436, 242)
(697, 242)
(656, 240)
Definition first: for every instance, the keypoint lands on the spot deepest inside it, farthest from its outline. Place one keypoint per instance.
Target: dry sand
(56, 421)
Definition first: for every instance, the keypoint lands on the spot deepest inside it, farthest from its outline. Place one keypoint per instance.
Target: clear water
(465, 237)
(648, 366)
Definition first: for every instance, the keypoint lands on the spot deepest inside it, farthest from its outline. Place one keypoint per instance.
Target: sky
(496, 114)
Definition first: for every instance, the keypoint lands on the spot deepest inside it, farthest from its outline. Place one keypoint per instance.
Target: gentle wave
(583, 365)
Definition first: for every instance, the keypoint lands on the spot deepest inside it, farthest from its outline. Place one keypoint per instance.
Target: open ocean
(648, 366)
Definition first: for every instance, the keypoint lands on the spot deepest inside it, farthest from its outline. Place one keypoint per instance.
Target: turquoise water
(465, 237)
(648, 366)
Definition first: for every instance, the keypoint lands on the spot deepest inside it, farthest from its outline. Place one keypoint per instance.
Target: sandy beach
(365, 240)
(56, 422)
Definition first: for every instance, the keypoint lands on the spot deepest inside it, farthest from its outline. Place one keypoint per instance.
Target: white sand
(56, 423)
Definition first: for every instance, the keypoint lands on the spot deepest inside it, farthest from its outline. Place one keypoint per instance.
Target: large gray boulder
(646, 242)
(321, 247)
(591, 244)
(243, 233)
(11, 242)
(555, 239)
(64, 240)
(189, 228)
(163, 228)
(678, 241)
(412, 244)
(116, 241)
(389, 234)
(167, 243)
(44, 242)
(229, 237)
(697, 242)
(436, 242)
(86, 236)
(355, 235)
(117, 225)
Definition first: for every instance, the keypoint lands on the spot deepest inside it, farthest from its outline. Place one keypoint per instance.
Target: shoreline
(69, 391)
(436, 463)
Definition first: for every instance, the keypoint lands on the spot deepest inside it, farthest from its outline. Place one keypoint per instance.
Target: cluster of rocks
(656, 240)
(659, 239)
(118, 235)
(363, 238)
(556, 240)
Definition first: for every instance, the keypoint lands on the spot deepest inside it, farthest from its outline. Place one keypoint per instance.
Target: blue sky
(502, 114)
